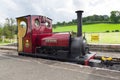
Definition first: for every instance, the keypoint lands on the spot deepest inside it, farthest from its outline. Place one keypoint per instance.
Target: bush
(0, 40)
(116, 30)
(107, 31)
(6, 41)
(113, 31)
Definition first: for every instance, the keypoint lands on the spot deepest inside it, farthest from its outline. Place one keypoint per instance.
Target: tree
(64, 23)
(9, 28)
(0, 31)
(106, 17)
(58, 23)
(115, 16)
(6, 32)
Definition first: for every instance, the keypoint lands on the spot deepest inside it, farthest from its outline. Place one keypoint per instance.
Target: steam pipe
(79, 23)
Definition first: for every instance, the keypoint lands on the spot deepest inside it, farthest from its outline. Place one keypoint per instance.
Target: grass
(105, 38)
(7, 41)
(1, 44)
(89, 28)
(99, 29)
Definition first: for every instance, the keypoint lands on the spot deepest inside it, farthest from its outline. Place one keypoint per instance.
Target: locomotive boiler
(35, 38)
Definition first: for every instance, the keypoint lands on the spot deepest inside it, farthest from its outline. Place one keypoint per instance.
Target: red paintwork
(36, 35)
(88, 59)
(36, 39)
(60, 40)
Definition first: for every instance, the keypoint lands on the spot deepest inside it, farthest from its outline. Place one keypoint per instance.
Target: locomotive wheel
(20, 54)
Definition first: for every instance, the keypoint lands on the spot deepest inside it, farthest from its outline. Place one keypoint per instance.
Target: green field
(90, 28)
(99, 29)
(105, 38)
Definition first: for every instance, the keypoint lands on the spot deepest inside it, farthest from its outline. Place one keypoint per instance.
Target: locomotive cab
(31, 29)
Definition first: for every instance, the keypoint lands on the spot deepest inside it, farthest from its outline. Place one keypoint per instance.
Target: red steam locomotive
(35, 38)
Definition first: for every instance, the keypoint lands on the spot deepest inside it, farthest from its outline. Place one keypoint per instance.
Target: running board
(80, 60)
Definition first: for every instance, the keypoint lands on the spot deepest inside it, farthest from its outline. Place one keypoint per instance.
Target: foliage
(86, 20)
(1, 31)
(116, 30)
(107, 31)
(9, 28)
(115, 16)
(93, 19)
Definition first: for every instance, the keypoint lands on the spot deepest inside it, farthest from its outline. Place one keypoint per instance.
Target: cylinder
(79, 23)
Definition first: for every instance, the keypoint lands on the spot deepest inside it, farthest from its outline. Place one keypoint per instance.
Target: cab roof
(32, 15)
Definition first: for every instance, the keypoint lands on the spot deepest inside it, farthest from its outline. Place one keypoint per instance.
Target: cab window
(23, 24)
(47, 24)
(37, 23)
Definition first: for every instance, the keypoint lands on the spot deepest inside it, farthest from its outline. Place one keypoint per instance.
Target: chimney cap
(81, 11)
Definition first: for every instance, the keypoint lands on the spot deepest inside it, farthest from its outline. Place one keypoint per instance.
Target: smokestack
(79, 23)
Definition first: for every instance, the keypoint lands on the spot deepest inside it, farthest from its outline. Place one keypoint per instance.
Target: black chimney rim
(79, 11)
